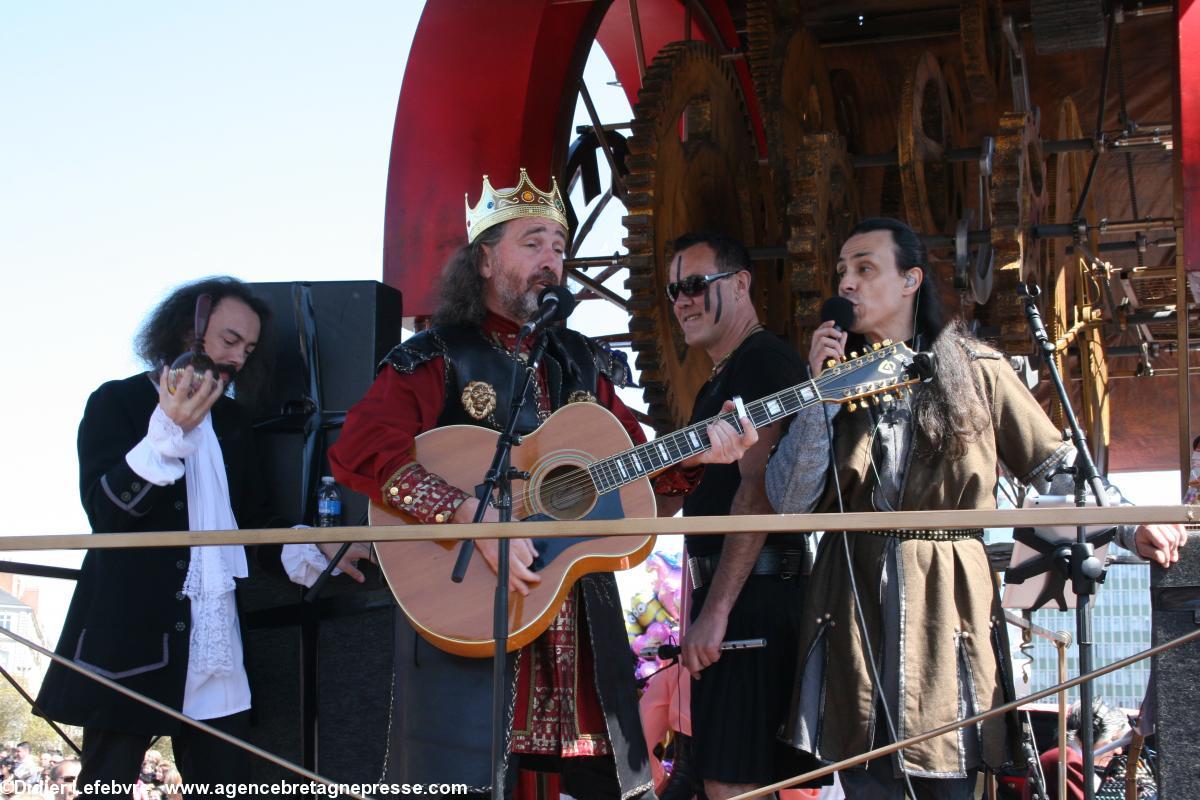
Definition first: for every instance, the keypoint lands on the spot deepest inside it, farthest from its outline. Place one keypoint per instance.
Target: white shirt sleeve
(304, 563)
(158, 458)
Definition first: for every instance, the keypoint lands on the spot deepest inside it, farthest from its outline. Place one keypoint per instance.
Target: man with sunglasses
(744, 586)
(166, 451)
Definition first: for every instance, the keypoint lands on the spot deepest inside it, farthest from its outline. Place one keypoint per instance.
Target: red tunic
(557, 708)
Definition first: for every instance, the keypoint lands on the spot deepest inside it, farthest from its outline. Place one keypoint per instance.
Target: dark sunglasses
(694, 285)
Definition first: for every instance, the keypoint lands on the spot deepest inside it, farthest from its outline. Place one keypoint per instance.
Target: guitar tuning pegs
(875, 399)
(887, 398)
(853, 354)
(831, 362)
(886, 343)
(876, 346)
(853, 407)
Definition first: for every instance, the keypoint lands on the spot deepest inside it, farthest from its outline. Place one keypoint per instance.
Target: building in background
(1121, 623)
(18, 613)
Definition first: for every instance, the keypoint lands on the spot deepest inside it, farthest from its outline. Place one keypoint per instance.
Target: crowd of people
(47, 775)
(53, 776)
(159, 780)
(867, 639)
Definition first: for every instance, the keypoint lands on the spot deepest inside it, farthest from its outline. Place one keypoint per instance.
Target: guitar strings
(580, 483)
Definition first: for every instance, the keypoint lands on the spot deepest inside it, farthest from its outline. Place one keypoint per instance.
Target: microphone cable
(876, 681)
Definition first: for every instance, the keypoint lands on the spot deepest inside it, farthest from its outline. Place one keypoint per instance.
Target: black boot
(684, 783)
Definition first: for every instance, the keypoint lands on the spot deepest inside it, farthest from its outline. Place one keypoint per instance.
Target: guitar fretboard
(838, 383)
(665, 451)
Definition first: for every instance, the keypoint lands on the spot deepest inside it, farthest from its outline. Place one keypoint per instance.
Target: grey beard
(520, 306)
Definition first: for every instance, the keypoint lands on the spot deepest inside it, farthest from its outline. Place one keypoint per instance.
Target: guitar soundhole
(566, 492)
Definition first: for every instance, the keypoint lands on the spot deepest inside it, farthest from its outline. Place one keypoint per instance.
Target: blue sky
(144, 144)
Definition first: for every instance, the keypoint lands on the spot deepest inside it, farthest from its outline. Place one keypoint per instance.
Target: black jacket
(129, 619)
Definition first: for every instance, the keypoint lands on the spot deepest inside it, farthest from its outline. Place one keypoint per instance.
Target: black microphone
(840, 310)
(555, 303)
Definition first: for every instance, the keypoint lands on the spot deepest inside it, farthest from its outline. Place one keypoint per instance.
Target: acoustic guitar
(582, 466)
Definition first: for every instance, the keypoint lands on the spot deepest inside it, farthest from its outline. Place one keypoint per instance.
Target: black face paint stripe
(720, 304)
(678, 267)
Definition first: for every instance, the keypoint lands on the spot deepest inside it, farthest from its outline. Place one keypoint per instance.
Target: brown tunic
(947, 629)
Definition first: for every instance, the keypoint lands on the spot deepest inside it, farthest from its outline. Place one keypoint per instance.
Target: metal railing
(774, 523)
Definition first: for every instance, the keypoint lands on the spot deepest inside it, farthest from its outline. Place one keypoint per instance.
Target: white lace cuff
(304, 563)
(158, 458)
(168, 439)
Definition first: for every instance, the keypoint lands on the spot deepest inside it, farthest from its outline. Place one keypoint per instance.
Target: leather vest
(479, 373)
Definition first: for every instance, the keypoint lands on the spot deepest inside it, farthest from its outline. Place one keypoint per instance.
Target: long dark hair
(460, 285)
(170, 329)
(950, 411)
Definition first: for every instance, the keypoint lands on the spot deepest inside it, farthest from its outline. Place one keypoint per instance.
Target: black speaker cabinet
(353, 325)
(320, 672)
(1175, 597)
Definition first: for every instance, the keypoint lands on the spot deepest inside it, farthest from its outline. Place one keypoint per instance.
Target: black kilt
(740, 703)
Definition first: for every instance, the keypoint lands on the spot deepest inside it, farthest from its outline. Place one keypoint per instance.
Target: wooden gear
(692, 167)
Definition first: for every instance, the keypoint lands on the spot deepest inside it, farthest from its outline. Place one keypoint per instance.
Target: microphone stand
(499, 477)
(1085, 569)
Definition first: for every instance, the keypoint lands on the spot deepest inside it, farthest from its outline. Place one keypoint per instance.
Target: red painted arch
(489, 88)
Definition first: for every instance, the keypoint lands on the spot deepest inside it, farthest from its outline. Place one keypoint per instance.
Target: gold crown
(526, 200)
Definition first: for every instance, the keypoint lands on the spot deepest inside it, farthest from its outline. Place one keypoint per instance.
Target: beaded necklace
(723, 360)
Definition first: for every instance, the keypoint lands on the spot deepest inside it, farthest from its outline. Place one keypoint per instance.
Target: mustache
(545, 277)
(228, 371)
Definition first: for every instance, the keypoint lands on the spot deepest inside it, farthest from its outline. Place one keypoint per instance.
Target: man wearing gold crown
(573, 703)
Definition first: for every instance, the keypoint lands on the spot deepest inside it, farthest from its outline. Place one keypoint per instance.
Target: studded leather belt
(929, 535)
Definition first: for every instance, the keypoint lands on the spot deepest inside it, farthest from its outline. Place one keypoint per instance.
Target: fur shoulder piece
(974, 348)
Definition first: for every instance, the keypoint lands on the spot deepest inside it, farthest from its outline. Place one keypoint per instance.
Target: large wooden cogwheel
(1018, 201)
(693, 167)
(983, 50)
(928, 125)
(820, 215)
(809, 171)
(1071, 301)
(790, 80)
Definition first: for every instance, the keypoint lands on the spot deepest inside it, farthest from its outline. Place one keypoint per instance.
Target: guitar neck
(666, 451)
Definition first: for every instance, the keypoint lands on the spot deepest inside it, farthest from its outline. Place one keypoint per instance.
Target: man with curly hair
(167, 450)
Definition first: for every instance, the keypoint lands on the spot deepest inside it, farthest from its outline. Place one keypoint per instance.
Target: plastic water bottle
(329, 504)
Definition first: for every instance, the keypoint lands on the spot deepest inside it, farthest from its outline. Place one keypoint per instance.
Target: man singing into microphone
(934, 645)
(573, 707)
